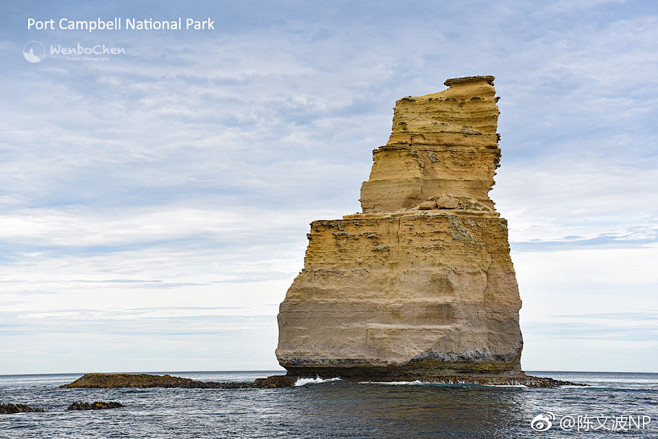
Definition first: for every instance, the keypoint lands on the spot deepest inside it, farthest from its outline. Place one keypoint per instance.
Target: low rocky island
(119, 380)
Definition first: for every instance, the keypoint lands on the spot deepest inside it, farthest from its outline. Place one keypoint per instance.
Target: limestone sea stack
(420, 285)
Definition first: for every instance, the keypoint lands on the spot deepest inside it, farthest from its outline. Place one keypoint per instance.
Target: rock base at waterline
(385, 375)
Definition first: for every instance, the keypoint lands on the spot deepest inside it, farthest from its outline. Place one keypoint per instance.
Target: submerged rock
(98, 405)
(420, 285)
(8, 409)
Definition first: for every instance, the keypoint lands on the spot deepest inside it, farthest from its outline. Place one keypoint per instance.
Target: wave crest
(316, 380)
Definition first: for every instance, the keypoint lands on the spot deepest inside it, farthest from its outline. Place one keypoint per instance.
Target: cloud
(185, 173)
(611, 329)
(570, 202)
(138, 344)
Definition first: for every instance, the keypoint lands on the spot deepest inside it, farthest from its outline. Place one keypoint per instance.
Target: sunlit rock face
(420, 285)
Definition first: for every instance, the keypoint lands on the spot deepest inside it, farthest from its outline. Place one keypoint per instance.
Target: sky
(154, 203)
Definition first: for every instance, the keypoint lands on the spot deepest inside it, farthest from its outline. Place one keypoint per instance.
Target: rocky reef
(121, 380)
(98, 405)
(420, 284)
(118, 380)
(8, 409)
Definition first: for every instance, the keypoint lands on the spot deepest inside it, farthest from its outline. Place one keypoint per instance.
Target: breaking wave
(316, 380)
(397, 383)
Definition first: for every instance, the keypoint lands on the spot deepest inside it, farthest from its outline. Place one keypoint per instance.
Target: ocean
(614, 405)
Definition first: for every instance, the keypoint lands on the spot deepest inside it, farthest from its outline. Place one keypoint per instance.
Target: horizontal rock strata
(442, 143)
(420, 285)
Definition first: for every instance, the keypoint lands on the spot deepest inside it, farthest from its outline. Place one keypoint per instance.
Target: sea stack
(420, 284)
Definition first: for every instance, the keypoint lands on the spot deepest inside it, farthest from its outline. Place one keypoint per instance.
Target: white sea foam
(431, 383)
(316, 380)
(506, 385)
(396, 383)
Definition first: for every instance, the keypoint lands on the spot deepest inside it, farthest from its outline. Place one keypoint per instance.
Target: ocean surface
(614, 405)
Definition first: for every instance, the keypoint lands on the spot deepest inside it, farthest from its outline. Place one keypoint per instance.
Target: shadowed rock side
(420, 285)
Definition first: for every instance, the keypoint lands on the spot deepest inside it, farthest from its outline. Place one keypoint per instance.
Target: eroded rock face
(420, 285)
(442, 143)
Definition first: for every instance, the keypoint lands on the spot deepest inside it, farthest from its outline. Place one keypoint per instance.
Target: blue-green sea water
(614, 405)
